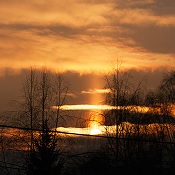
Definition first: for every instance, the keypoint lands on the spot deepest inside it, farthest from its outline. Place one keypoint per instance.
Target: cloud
(84, 35)
(82, 88)
(140, 17)
(155, 40)
(71, 13)
(73, 95)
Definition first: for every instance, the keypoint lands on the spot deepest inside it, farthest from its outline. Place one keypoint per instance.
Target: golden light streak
(141, 109)
(85, 107)
(96, 91)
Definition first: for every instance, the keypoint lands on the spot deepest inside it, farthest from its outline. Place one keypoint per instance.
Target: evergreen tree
(44, 157)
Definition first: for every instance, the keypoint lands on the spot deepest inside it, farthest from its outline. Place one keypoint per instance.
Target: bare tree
(41, 91)
(122, 96)
(30, 93)
(60, 90)
(167, 87)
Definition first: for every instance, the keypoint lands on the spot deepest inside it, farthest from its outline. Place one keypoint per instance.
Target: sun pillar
(96, 98)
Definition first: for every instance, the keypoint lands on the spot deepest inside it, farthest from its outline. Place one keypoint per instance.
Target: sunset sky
(84, 37)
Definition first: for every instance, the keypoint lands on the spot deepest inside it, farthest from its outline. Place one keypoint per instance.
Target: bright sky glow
(87, 131)
(95, 131)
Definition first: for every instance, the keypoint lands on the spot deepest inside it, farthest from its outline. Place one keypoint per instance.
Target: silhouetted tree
(123, 96)
(141, 133)
(42, 91)
(45, 158)
(167, 88)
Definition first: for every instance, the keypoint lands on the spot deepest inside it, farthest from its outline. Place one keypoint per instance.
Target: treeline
(145, 141)
(135, 141)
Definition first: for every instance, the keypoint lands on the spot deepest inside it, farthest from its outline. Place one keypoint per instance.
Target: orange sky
(83, 39)
(86, 35)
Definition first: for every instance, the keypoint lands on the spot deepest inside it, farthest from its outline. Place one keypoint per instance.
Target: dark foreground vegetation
(142, 141)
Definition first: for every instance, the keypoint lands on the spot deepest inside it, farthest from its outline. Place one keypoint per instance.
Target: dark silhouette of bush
(44, 158)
